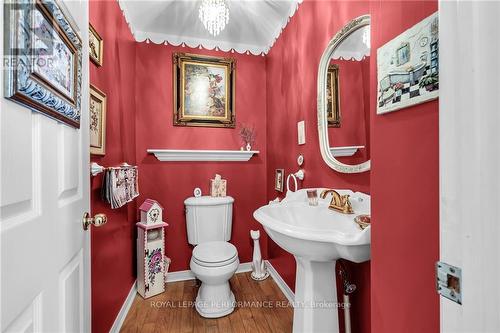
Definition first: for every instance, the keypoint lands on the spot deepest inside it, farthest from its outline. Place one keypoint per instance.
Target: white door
(44, 180)
(469, 136)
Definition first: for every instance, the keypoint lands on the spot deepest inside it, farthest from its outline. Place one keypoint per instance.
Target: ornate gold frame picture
(204, 90)
(332, 95)
(97, 121)
(96, 46)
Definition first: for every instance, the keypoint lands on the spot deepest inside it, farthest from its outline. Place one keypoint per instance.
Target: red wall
(404, 188)
(113, 268)
(354, 95)
(172, 182)
(292, 67)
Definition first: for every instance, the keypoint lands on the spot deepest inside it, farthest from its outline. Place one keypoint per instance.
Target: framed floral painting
(97, 114)
(332, 95)
(204, 90)
(43, 59)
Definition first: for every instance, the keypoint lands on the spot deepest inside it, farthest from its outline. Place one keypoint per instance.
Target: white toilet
(214, 260)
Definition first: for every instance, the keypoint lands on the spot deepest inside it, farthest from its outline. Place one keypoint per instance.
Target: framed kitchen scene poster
(204, 90)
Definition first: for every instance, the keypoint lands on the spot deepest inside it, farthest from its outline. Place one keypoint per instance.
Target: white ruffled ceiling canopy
(254, 25)
(355, 47)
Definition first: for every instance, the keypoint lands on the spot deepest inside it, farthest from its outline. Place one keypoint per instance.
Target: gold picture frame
(279, 179)
(96, 46)
(204, 90)
(332, 95)
(97, 121)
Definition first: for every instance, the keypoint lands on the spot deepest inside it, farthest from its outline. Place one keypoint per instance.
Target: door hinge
(449, 281)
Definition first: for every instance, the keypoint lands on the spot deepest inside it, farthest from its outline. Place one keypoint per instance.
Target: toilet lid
(215, 253)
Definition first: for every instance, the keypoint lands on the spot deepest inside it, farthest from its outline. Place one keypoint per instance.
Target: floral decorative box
(218, 186)
(151, 250)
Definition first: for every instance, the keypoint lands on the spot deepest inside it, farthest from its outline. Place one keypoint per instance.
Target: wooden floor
(266, 310)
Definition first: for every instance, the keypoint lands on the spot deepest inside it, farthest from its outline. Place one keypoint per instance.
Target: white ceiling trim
(157, 38)
(193, 42)
(122, 7)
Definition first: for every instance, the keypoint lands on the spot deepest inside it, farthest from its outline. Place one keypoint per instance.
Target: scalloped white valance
(253, 26)
(355, 47)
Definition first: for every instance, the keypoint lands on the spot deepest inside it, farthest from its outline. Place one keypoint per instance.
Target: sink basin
(317, 236)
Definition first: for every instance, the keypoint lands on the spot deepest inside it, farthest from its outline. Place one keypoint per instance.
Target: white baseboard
(285, 289)
(244, 267)
(188, 275)
(180, 276)
(120, 318)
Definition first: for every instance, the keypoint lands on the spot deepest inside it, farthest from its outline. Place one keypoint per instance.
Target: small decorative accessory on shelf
(248, 136)
(152, 264)
(197, 192)
(218, 186)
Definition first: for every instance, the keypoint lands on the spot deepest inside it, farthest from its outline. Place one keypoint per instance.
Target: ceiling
(354, 47)
(254, 25)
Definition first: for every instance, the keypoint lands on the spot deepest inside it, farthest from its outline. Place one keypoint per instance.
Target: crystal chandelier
(214, 14)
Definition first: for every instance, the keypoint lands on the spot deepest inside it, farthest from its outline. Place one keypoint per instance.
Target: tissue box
(218, 188)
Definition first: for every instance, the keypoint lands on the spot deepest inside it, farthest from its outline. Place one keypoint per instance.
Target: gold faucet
(339, 202)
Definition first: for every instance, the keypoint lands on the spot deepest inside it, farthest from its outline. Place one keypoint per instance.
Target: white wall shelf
(185, 155)
(345, 151)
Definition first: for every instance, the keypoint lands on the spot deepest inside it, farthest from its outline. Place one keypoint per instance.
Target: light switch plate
(301, 132)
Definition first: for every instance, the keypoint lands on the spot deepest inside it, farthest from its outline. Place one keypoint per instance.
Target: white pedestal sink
(317, 237)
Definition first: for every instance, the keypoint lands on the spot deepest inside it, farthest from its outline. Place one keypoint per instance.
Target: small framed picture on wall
(332, 95)
(278, 180)
(96, 45)
(97, 106)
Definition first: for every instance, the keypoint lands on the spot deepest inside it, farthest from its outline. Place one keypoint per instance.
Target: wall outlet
(301, 132)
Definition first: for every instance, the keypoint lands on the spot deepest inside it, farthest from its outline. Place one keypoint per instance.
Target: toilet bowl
(214, 263)
(214, 260)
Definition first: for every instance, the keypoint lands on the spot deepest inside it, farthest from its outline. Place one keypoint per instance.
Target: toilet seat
(214, 254)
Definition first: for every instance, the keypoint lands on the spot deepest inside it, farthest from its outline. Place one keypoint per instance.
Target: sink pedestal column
(316, 305)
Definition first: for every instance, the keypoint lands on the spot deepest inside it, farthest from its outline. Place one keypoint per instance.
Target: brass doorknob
(97, 220)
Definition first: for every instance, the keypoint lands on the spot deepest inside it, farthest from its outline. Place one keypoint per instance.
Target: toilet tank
(209, 219)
